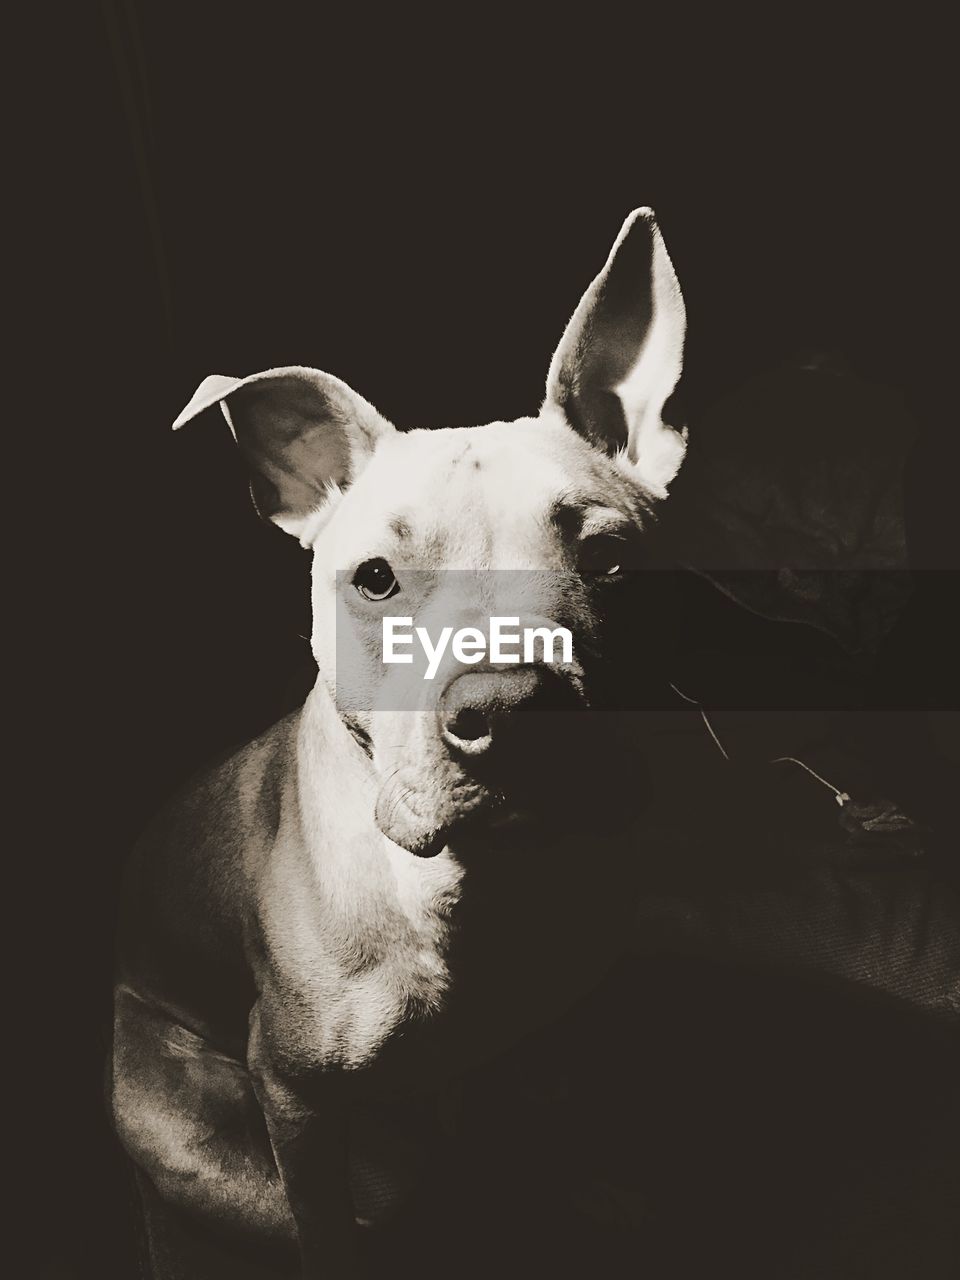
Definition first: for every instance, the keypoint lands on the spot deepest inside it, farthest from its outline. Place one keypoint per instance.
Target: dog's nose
(476, 705)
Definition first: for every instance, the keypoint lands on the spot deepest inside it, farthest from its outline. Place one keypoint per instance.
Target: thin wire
(841, 797)
(703, 717)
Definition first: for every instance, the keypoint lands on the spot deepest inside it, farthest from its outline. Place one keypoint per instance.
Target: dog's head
(534, 521)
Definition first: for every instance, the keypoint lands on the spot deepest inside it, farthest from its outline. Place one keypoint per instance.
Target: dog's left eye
(602, 554)
(375, 580)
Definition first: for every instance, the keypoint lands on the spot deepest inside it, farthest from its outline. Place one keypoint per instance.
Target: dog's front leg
(308, 1123)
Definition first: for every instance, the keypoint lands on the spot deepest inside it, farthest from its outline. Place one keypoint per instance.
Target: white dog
(388, 885)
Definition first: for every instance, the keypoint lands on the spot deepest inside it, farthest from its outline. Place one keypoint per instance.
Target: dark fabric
(792, 500)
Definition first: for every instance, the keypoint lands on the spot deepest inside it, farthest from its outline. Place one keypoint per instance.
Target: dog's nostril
(469, 725)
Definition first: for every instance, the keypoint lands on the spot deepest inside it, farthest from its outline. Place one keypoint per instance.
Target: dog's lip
(495, 816)
(424, 842)
(421, 828)
(429, 845)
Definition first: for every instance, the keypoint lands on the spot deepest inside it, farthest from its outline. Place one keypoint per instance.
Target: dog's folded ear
(305, 435)
(622, 353)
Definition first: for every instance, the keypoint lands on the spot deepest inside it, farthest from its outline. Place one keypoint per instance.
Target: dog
(390, 884)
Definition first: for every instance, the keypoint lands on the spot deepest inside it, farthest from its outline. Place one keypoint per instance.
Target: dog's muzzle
(501, 739)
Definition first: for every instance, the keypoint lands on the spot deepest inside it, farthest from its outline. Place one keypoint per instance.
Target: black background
(413, 201)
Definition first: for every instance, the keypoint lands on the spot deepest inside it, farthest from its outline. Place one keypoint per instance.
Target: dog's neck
(358, 868)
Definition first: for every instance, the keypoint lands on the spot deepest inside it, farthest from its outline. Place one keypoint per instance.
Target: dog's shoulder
(234, 801)
(191, 879)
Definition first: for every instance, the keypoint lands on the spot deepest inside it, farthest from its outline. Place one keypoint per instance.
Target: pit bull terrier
(401, 878)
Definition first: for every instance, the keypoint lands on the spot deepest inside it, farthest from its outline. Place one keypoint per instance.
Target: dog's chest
(369, 999)
(352, 977)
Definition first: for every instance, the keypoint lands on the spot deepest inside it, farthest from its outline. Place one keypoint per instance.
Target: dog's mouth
(429, 845)
(425, 830)
(547, 794)
(561, 772)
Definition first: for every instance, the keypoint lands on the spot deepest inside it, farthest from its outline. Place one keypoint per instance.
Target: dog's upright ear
(622, 353)
(305, 435)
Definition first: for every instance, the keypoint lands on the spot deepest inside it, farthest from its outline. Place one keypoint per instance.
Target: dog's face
(536, 521)
(449, 529)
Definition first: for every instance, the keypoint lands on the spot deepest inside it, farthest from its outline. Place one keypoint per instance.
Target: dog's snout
(476, 706)
(474, 702)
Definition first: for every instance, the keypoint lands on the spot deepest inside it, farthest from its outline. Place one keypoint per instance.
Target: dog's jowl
(381, 891)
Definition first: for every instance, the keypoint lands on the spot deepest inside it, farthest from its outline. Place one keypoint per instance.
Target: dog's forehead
(474, 495)
(501, 467)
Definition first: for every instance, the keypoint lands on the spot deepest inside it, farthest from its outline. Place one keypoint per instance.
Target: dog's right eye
(603, 554)
(375, 580)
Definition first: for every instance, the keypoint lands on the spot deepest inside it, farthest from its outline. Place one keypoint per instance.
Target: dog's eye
(375, 580)
(603, 554)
